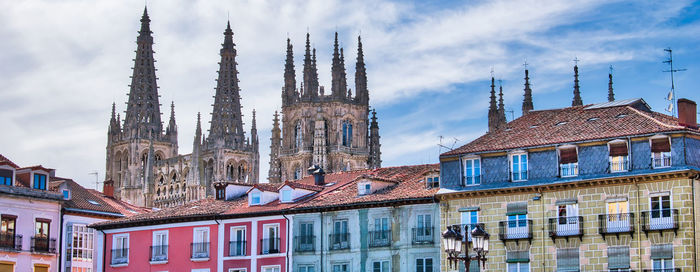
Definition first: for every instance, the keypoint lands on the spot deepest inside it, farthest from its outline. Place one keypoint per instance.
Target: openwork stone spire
(577, 92)
(274, 174)
(336, 72)
(361, 92)
(143, 109)
(493, 109)
(309, 87)
(501, 106)
(375, 160)
(226, 124)
(290, 83)
(527, 98)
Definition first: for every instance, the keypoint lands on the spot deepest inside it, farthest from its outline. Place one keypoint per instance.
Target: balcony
(619, 164)
(120, 256)
(10, 242)
(568, 169)
(615, 223)
(159, 254)
(520, 229)
(423, 236)
(199, 251)
(660, 220)
(663, 270)
(661, 159)
(338, 241)
(380, 238)
(269, 246)
(43, 245)
(566, 227)
(305, 243)
(236, 248)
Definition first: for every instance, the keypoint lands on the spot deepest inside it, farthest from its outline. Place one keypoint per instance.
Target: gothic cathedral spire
(290, 83)
(493, 109)
(275, 172)
(336, 72)
(226, 124)
(361, 92)
(309, 88)
(577, 92)
(375, 160)
(527, 99)
(611, 94)
(501, 106)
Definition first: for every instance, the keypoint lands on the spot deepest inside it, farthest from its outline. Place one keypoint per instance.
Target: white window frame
(243, 269)
(381, 265)
(518, 268)
(348, 265)
(466, 175)
(115, 245)
(234, 238)
(306, 267)
(155, 242)
(253, 195)
(362, 188)
(520, 166)
(465, 222)
(266, 235)
(661, 154)
(625, 159)
(207, 240)
(432, 260)
(273, 267)
(573, 166)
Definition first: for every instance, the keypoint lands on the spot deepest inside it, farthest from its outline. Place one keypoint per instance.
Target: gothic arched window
(347, 133)
(230, 171)
(297, 173)
(173, 179)
(298, 135)
(241, 173)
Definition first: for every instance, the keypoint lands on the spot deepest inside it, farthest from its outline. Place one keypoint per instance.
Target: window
(7, 232)
(39, 182)
(347, 133)
(5, 177)
(297, 173)
(66, 194)
(567, 220)
(618, 156)
(341, 267)
(433, 182)
(424, 227)
(519, 267)
(220, 193)
(236, 270)
(660, 151)
(120, 249)
(275, 268)
(364, 188)
(469, 220)
(568, 161)
(237, 245)
(618, 218)
(159, 250)
(381, 236)
(200, 243)
(518, 261)
(286, 195)
(567, 260)
(662, 257)
(660, 214)
(340, 237)
(271, 239)
(306, 268)
(380, 266)
(517, 224)
(472, 171)
(519, 167)
(306, 237)
(255, 198)
(618, 259)
(424, 265)
(79, 250)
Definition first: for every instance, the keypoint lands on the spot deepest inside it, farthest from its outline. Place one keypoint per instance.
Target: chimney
(687, 113)
(108, 188)
(319, 175)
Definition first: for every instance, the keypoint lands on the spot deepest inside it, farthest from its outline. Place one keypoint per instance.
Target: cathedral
(143, 162)
(333, 131)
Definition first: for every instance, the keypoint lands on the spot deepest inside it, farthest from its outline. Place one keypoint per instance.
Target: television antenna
(94, 173)
(672, 94)
(450, 148)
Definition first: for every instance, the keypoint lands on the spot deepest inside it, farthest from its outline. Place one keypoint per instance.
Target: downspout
(639, 235)
(104, 250)
(286, 250)
(695, 228)
(322, 264)
(544, 233)
(60, 241)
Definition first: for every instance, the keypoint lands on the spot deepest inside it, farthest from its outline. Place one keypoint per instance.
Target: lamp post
(457, 247)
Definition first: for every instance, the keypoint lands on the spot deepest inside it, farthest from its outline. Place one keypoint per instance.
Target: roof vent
(534, 126)
(621, 115)
(561, 123)
(593, 119)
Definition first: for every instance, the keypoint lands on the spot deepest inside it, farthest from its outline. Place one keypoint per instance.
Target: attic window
(433, 182)
(593, 119)
(286, 196)
(621, 115)
(66, 194)
(534, 126)
(508, 129)
(364, 188)
(93, 202)
(255, 198)
(561, 123)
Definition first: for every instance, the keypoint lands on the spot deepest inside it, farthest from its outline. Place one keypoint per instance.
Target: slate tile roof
(574, 124)
(339, 191)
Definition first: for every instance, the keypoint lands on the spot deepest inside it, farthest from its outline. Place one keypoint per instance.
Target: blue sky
(428, 62)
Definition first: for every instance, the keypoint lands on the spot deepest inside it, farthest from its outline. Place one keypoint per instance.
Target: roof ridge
(653, 119)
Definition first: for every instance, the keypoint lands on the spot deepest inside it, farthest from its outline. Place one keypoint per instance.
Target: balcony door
(340, 230)
(567, 221)
(271, 239)
(306, 236)
(660, 215)
(618, 219)
(238, 243)
(517, 226)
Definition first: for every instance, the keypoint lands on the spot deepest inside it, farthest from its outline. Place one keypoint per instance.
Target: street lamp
(452, 242)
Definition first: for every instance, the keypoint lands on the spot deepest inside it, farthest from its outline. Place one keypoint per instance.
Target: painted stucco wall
(254, 260)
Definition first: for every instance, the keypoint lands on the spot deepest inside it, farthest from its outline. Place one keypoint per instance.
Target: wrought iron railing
(616, 223)
(338, 241)
(423, 235)
(120, 256)
(159, 253)
(199, 250)
(380, 238)
(662, 270)
(236, 248)
(568, 169)
(305, 243)
(10, 242)
(43, 244)
(566, 226)
(665, 219)
(515, 229)
(661, 162)
(270, 246)
(619, 165)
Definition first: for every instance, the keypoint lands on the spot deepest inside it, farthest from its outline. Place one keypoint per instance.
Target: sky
(429, 63)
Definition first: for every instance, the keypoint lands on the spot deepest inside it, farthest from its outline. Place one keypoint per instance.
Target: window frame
(625, 161)
(256, 195)
(8, 180)
(116, 245)
(663, 154)
(519, 155)
(572, 166)
(381, 265)
(424, 259)
(42, 181)
(275, 268)
(476, 179)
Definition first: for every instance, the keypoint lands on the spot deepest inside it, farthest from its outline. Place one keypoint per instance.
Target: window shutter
(517, 256)
(568, 155)
(618, 149)
(618, 257)
(568, 259)
(660, 145)
(516, 208)
(664, 251)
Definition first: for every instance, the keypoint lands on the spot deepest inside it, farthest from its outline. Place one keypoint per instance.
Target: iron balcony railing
(159, 253)
(305, 243)
(380, 238)
(338, 241)
(43, 244)
(515, 229)
(467, 230)
(665, 219)
(566, 226)
(661, 162)
(620, 165)
(270, 246)
(120, 256)
(10, 242)
(568, 169)
(424, 235)
(236, 248)
(663, 270)
(616, 223)
(199, 250)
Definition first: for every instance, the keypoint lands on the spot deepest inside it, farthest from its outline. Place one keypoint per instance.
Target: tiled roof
(574, 124)
(85, 200)
(338, 191)
(4, 160)
(267, 187)
(304, 186)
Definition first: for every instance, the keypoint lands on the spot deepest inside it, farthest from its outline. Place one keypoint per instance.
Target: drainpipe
(322, 264)
(638, 234)
(104, 250)
(60, 241)
(544, 232)
(286, 251)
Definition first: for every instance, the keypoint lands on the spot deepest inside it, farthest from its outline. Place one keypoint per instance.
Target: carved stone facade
(143, 162)
(331, 131)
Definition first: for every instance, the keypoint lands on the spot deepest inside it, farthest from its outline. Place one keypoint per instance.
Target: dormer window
(286, 195)
(221, 193)
(39, 182)
(568, 161)
(5, 177)
(618, 156)
(660, 151)
(66, 194)
(255, 198)
(472, 171)
(518, 164)
(364, 188)
(432, 182)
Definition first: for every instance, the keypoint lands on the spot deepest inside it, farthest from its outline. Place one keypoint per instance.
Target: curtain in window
(618, 257)
(516, 208)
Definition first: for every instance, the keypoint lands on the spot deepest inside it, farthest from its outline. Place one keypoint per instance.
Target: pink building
(29, 219)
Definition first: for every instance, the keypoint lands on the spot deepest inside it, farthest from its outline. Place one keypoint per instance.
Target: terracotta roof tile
(5, 161)
(83, 199)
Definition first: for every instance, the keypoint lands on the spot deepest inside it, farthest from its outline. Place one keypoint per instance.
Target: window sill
(199, 259)
(569, 176)
(520, 180)
(661, 166)
(158, 262)
(119, 265)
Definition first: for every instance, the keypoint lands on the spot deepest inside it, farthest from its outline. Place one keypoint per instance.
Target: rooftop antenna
(94, 173)
(441, 146)
(512, 113)
(672, 94)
